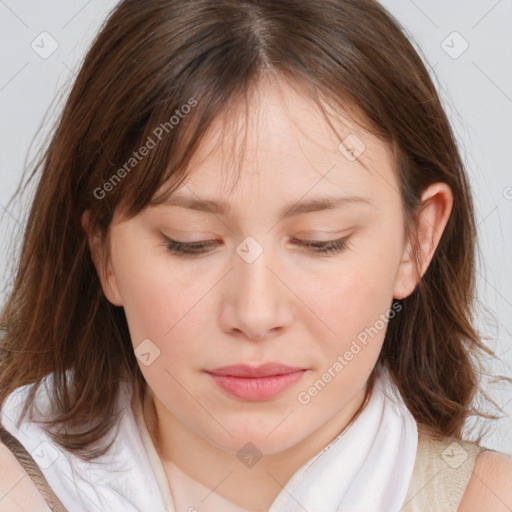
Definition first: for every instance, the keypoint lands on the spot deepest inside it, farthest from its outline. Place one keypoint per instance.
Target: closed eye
(328, 247)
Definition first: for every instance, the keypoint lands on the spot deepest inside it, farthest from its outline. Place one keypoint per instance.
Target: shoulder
(489, 487)
(443, 468)
(17, 491)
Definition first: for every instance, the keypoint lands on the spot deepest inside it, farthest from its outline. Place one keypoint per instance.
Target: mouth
(256, 382)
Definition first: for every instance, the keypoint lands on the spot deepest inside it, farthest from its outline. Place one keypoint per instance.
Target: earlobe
(102, 263)
(430, 222)
(406, 278)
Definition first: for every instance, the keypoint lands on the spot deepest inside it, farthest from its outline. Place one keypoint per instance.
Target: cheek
(357, 313)
(361, 288)
(164, 312)
(159, 300)
(354, 299)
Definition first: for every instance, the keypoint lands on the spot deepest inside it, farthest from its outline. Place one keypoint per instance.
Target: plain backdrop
(467, 46)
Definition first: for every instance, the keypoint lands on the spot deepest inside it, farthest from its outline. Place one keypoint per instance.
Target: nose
(257, 303)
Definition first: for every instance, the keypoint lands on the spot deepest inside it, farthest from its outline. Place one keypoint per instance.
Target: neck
(252, 487)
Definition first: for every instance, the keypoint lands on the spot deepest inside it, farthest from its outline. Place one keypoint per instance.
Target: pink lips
(256, 382)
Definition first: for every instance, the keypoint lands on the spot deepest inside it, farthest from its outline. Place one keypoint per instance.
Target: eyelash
(329, 247)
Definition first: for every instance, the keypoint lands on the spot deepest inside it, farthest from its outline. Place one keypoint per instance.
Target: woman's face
(252, 295)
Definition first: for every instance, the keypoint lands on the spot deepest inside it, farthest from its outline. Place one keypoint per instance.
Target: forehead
(277, 142)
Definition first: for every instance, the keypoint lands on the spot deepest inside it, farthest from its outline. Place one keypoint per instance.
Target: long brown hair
(156, 76)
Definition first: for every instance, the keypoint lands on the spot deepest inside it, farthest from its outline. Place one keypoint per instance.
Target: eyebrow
(291, 210)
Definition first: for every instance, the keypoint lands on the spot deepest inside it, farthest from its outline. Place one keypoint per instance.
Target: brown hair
(150, 60)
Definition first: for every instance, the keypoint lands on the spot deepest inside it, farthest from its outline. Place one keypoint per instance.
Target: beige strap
(441, 473)
(32, 469)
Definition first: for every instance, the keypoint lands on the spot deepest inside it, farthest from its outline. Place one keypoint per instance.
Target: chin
(257, 440)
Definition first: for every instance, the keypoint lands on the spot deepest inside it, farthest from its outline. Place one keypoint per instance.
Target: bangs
(163, 156)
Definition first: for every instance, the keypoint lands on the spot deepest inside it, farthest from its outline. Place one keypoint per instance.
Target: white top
(368, 467)
(186, 492)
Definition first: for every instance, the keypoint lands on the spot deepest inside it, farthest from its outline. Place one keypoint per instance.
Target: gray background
(467, 45)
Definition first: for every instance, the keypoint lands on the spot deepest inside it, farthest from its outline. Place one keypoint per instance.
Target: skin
(290, 305)
(17, 491)
(489, 487)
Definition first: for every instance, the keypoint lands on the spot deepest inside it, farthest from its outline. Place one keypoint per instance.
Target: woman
(297, 339)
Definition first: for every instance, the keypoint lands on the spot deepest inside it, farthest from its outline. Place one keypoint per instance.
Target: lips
(262, 382)
(248, 371)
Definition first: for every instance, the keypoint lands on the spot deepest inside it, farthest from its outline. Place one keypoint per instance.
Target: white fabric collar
(367, 467)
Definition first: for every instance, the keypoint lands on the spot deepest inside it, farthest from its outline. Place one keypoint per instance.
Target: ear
(101, 261)
(431, 219)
